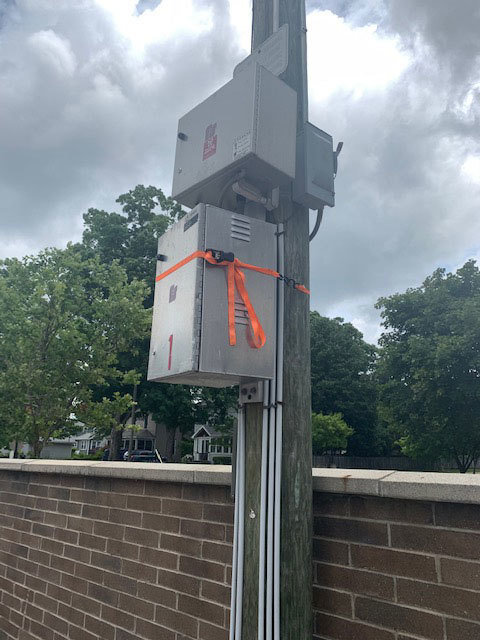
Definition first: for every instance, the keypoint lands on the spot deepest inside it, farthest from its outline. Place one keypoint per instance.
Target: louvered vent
(241, 316)
(240, 229)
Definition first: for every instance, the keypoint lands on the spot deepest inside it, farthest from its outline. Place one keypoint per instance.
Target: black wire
(317, 224)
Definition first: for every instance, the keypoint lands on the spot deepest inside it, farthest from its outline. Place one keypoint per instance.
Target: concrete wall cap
(353, 481)
(188, 473)
(406, 485)
(437, 487)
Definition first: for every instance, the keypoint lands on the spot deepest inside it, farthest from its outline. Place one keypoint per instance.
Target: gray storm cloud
(86, 114)
(404, 205)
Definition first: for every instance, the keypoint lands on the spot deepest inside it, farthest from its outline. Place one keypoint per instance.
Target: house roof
(86, 435)
(210, 432)
(66, 440)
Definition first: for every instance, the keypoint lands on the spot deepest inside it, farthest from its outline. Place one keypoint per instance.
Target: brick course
(87, 558)
(112, 559)
(391, 569)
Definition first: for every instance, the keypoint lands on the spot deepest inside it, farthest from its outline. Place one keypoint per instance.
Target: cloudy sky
(91, 91)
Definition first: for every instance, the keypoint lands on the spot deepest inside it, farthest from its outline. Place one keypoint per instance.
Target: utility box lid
(190, 333)
(248, 125)
(314, 184)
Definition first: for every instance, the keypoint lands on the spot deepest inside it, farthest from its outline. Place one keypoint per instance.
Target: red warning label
(210, 144)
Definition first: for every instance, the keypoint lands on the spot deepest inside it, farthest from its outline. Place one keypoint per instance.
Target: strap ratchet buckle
(221, 256)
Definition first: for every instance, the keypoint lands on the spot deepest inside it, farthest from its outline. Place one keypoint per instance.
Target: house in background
(209, 444)
(54, 449)
(143, 439)
(88, 442)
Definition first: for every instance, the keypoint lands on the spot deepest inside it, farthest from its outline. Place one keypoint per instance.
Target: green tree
(173, 406)
(131, 237)
(180, 407)
(330, 433)
(430, 366)
(108, 417)
(64, 321)
(343, 381)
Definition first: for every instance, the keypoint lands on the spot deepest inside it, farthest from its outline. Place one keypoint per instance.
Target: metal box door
(190, 339)
(248, 125)
(254, 242)
(175, 337)
(314, 183)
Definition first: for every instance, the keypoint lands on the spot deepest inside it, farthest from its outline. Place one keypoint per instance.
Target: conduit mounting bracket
(251, 392)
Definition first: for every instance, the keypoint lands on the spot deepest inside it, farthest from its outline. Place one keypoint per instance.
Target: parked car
(150, 458)
(138, 452)
(145, 456)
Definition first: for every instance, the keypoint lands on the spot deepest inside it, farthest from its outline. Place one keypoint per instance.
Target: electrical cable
(318, 222)
(227, 186)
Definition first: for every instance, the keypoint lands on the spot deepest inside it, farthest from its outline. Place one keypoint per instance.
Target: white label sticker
(242, 145)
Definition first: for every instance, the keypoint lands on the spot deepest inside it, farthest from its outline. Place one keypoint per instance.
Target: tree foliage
(342, 379)
(430, 366)
(131, 237)
(107, 417)
(330, 433)
(64, 320)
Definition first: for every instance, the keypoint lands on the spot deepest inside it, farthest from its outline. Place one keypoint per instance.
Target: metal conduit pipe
(241, 523)
(270, 511)
(263, 517)
(233, 595)
(278, 439)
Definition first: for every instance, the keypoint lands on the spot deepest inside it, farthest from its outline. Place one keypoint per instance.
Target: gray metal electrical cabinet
(190, 333)
(314, 183)
(248, 125)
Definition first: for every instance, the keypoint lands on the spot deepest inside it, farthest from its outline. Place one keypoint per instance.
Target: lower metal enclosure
(190, 337)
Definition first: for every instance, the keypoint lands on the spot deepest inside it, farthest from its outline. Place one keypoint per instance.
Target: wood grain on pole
(296, 509)
(262, 15)
(253, 461)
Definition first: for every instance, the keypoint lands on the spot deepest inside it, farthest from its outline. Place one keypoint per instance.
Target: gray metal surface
(272, 54)
(237, 129)
(190, 338)
(314, 182)
(174, 344)
(251, 392)
(216, 356)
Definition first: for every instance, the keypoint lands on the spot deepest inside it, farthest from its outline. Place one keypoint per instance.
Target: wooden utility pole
(296, 506)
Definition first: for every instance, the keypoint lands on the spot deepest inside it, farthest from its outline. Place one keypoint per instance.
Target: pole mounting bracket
(251, 392)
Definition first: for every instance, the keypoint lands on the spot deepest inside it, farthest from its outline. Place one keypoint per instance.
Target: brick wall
(391, 569)
(111, 559)
(106, 558)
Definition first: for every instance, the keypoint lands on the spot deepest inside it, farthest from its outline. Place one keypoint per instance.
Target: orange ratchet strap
(236, 279)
